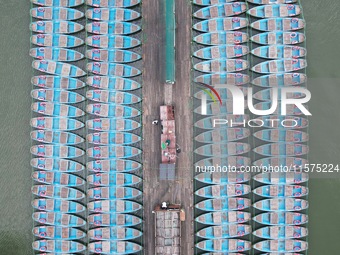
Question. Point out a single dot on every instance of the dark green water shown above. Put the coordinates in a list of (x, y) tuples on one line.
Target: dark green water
[(323, 35)]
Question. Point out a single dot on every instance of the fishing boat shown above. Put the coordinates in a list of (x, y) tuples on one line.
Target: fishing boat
[(113, 3), (112, 55), (272, 1), (112, 69), (114, 233), (215, 164), (112, 14), (116, 205), (57, 110), (113, 151), (278, 24), (280, 80), (112, 41), (281, 218), (116, 97), (221, 10), (279, 51), (58, 219), (226, 108), (282, 177), (222, 65), (113, 192), (56, 13), (107, 138), (280, 66), (222, 51), (56, 123), (221, 24), (282, 149), (57, 82), (57, 68), (112, 83), (58, 3), (281, 232), (56, 178), (57, 165), (222, 38), (278, 37), (57, 205), (56, 54), (277, 135), (57, 96), (223, 135), (58, 246), (275, 11), (224, 245), (58, 192), (223, 149), (223, 78), (112, 124), (281, 204), (267, 95), (112, 27), (114, 247), (209, 123), (224, 231), (210, 2), (56, 151), (281, 246), (113, 165), (112, 110), (56, 40), (113, 179), (224, 94), (292, 110), (218, 204), (281, 190), (291, 122), (56, 137), (58, 233), (223, 218), (221, 191), (56, 27), (113, 219)]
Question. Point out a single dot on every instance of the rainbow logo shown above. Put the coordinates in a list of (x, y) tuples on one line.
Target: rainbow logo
[(213, 90)]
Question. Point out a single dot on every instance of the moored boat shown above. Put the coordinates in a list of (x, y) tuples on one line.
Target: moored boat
[(57, 82), (59, 233), (112, 69), (278, 37), (58, 219), (223, 135), (222, 65), (209, 123), (282, 149), (224, 231), (112, 110), (224, 245), (106, 138), (218, 204), (56, 123), (114, 233), (116, 97), (56, 27), (112, 83), (57, 96), (113, 3), (58, 3), (113, 219), (112, 27), (58, 179), (112, 41), (281, 190), (220, 10), (223, 78), (56, 151), (58, 68), (221, 24), (112, 124), (113, 165), (279, 51), (220, 164), (56, 13), (222, 38), (115, 205), (226, 108), (112, 55), (272, 1), (277, 135), (113, 151), (223, 217), (222, 149), (57, 205), (113, 192), (114, 247), (113, 179), (58, 192), (57, 110), (221, 191), (56, 137), (224, 93), (278, 24), (57, 165), (281, 218), (210, 2), (275, 11), (58, 246), (281, 232), (222, 51), (281, 204), (282, 246), (287, 163), (56, 40), (281, 177), (284, 122), (280, 80), (291, 110), (112, 14), (267, 95), (56, 54), (280, 66)]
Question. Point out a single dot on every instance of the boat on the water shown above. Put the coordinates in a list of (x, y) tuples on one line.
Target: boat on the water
[(113, 165), (281, 190), (112, 14), (58, 219), (272, 1), (58, 233), (57, 96), (56, 178), (221, 10), (223, 78), (58, 68), (278, 37), (222, 38), (113, 151), (281, 218), (57, 192), (223, 135), (58, 3), (282, 149), (57, 110), (281, 232), (225, 203), (267, 95), (56, 13), (114, 247), (281, 246), (113, 179), (58, 246), (112, 83), (275, 11), (56, 40), (115, 205), (280, 66), (280, 80), (215, 164), (278, 24), (112, 124), (223, 218), (289, 163), (56, 27), (57, 165), (224, 94), (281, 204), (57, 205), (222, 191), (56, 137), (112, 3), (281, 177), (116, 97), (221, 24), (291, 110), (112, 55), (57, 82), (56, 54), (112, 27), (277, 135), (112, 110), (223, 149), (222, 51), (224, 231), (56, 123), (107, 138), (215, 109), (113, 219), (222, 65), (56, 151), (114, 233), (224, 245), (112, 69), (210, 2), (113, 192), (291, 122), (112, 41), (279, 51), (209, 123)]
